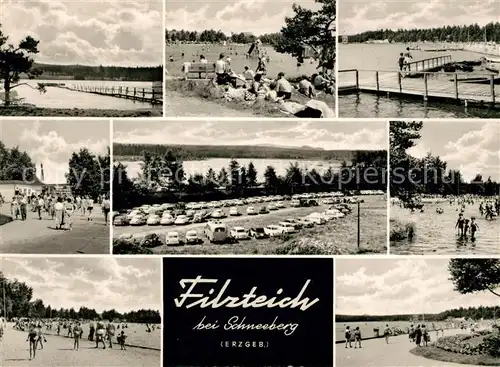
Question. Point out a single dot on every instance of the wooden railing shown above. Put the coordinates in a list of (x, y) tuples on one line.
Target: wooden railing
[(427, 64)]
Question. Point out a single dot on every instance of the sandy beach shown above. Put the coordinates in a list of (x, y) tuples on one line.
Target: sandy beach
[(58, 352)]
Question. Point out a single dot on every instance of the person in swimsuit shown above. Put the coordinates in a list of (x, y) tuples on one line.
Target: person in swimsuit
[(110, 332), (387, 332), (401, 62), (100, 334), (40, 338), (460, 224), (357, 337), (121, 340), (473, 228), (77, 334), (348, 337), (32, 339), (466, 227)]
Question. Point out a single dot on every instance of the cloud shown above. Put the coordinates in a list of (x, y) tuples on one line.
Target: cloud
[(127, 33), (409, 286), (230, 16), (363, 15), (54, 150), (100, 283), (339, 136)]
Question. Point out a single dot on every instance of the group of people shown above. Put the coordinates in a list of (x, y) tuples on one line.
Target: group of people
[(404, 60), (62, 209), (419, 335)]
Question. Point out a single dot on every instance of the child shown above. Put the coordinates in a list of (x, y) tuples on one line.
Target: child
[(348, 337), (460, 224), (401, 61), (357, 337), (40, 336), (32, 338), (121, 340), (466, 227), (473, 228)]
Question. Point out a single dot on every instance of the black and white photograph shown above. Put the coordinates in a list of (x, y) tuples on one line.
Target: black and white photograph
[(445, 193), (71, 311), (272, 188), (55, 187), (417, 313), (419, 59), (232, 58), (81, 58), (281, 315)]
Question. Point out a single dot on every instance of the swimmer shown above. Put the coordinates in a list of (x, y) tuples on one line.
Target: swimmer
[(460, 224), (473, 228)]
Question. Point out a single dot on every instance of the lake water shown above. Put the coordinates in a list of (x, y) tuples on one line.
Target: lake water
[(384, 57), (279, 62), (63, 98), (436, 233), (280, 165)]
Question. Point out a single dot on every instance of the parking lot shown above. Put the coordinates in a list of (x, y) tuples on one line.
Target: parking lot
[(337, 233)]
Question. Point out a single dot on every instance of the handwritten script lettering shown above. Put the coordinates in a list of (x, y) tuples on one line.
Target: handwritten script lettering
[(189, 298)]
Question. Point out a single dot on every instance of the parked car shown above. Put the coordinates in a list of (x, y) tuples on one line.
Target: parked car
[(295, 223), (181, 220), (239, 233), (251, 211), (333, 214), (295, 203), (138, 220), (287, 227), (263, 210), (280, 205), (153, 220), (272, 206), (218, 214), (258, 233), (273, 230), (216, 231), (306, 222), (134, 213), (192, 238), (317, 218), (167, 219), (172, 239), (121, 220), (234, 211)]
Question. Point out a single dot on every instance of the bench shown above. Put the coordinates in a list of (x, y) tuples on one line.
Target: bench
[(201, 68)]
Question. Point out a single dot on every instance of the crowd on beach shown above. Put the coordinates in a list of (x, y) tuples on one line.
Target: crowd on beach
[(100, 332), (251, 85), (61, 208)]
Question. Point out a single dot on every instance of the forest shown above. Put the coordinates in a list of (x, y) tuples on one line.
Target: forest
[(429, 175), (163, 179), (85, 72), (19, 303), (198, 152), (474, 313), (215, 37), (470, 33)]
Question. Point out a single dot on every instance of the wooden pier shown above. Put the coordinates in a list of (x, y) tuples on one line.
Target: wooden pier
[(423, 81), (153, 95)]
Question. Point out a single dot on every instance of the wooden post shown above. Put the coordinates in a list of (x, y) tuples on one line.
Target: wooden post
[(152, 95), (376, 79), (399, 82), (143, 93), (492, 88), (135, 92), (126, 91), (119, 90), (359, 226), (357, 80), (425, 86), (455, 79), (112, 90)]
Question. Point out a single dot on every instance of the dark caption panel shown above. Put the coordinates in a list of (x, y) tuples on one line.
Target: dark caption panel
[(248, 312)]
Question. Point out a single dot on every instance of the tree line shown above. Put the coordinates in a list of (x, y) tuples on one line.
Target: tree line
[(429, 175), (163, 177), (212, 36), (15, 165), (19, 303), (466, 33), (198, 152), (87, 72)]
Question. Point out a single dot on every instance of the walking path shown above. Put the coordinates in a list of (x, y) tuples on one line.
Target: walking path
[(376, 353), (39, 236), (58, 352)]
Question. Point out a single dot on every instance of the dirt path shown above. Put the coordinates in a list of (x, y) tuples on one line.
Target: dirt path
[(58, 352)]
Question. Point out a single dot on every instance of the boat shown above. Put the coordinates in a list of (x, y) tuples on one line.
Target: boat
[(478, 80)]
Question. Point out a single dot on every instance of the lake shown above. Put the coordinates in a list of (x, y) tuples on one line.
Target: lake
[(279, 62), (280, 165), (436, 233), (63, 98)]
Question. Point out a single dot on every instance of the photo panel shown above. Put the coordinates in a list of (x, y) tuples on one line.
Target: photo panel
[(417, 312), (271, 188), (80, 311), (418, 59), (444, 187), (55, 186), (260, 59), (81, 58), (281, 315)]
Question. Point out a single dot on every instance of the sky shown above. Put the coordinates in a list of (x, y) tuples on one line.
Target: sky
[(350, 135), (231, 16), (93, 32), (51, 143), (472, 147), (102, 283), (402, 286), (356, 16)]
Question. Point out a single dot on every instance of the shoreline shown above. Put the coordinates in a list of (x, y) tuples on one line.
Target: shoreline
[(24, 111)]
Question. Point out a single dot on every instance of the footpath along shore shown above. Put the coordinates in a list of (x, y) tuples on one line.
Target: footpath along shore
[(58, 352), (376, 353)]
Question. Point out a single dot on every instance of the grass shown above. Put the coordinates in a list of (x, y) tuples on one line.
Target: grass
[(401, 231), (78, 112), (434, 353), (338, 237), (4, 219)]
